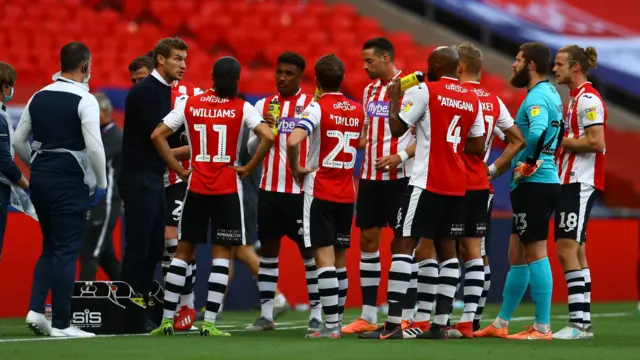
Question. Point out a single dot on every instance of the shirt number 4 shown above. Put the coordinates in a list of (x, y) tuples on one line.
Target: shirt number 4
[(453, 133), (222, 156), (343, 146)]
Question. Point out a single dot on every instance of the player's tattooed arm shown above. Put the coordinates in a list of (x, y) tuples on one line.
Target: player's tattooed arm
[(265, 134), (396, 125), (182, 152), (169, 125), (159, 139)]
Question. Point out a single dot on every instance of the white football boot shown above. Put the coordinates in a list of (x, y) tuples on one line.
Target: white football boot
[(38, 323), (570, 332), (72, 332)]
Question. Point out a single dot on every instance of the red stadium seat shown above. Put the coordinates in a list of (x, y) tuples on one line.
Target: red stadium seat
[(131, 9), (255, 32), (401, 40), (319, 11), (344, 11), (239, 9), (354, 84)]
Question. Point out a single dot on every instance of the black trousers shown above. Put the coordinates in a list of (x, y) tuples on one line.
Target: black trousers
[(98, 250), (144, 222), (62, 204), (5, 200)]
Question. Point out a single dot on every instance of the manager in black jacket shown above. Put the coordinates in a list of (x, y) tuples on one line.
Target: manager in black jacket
[(141, 180)]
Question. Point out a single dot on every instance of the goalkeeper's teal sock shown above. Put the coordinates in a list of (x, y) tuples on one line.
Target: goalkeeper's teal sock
[(514, 288), (541, 289)]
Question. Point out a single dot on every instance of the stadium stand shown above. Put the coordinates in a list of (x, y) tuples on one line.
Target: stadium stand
[(245, 29)]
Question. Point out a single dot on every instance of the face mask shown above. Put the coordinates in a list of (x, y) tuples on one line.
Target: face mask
[(86, 78), (8, 97)]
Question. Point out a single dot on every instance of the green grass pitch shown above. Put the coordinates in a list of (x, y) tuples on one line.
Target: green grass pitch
[(616, 326)]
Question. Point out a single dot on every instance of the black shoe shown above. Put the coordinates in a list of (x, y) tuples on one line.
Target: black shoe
[(436, 332), (476, 325), (383, 333), (375, 334)]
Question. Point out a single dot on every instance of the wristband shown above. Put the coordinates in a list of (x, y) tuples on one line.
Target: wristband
[(493, 170), (403, 156)]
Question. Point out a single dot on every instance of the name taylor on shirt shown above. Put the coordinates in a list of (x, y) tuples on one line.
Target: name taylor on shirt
[(346, 121)]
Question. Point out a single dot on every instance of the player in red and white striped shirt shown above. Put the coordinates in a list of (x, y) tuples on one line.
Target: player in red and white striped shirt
[(449, 124), (380, 188), (280, 198), (581, 171), (478, 197), (334, 127)]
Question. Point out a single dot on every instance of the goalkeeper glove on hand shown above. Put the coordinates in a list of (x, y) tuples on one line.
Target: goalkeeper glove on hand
[(523, 170)]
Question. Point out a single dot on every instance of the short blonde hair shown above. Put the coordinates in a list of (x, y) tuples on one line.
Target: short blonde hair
[(8, 75), (470, 56)]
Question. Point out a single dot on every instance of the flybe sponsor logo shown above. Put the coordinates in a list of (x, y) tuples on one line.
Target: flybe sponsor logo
[(458, 104), (212, 113), (287, 124), (378, 109)]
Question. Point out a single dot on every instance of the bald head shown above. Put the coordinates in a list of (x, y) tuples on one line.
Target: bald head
[(443, 61)]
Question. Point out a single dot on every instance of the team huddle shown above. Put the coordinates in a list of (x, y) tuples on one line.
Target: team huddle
[(424, 174)]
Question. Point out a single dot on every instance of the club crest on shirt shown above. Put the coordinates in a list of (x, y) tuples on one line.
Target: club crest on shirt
[(299, 109), (592, 113), (534, 111)]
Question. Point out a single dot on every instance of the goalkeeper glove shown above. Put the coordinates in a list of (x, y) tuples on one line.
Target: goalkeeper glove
[(523, 170)]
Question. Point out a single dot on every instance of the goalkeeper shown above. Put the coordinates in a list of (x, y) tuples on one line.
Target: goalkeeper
[(535, 188)]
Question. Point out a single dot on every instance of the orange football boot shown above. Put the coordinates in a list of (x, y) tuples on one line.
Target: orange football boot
[(530, 333), (461, 330), (359, 326), (492, 332)]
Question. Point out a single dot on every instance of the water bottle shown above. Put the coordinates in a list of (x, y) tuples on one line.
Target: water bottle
[(411, 80), (274, 110), (317, 94), (48, 312)]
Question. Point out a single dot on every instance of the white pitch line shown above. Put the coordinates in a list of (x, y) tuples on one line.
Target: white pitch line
[(46, 338)]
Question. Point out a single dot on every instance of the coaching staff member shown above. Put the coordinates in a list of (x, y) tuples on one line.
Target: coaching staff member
[(66, 163), (141, 182), (98, 248), (9, 172)]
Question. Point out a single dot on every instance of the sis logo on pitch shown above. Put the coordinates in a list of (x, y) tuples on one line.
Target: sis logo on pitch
[(287, 124), (378, 109)]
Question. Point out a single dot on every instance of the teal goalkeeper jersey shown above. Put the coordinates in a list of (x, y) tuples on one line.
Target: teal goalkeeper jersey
[(540, 118)]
